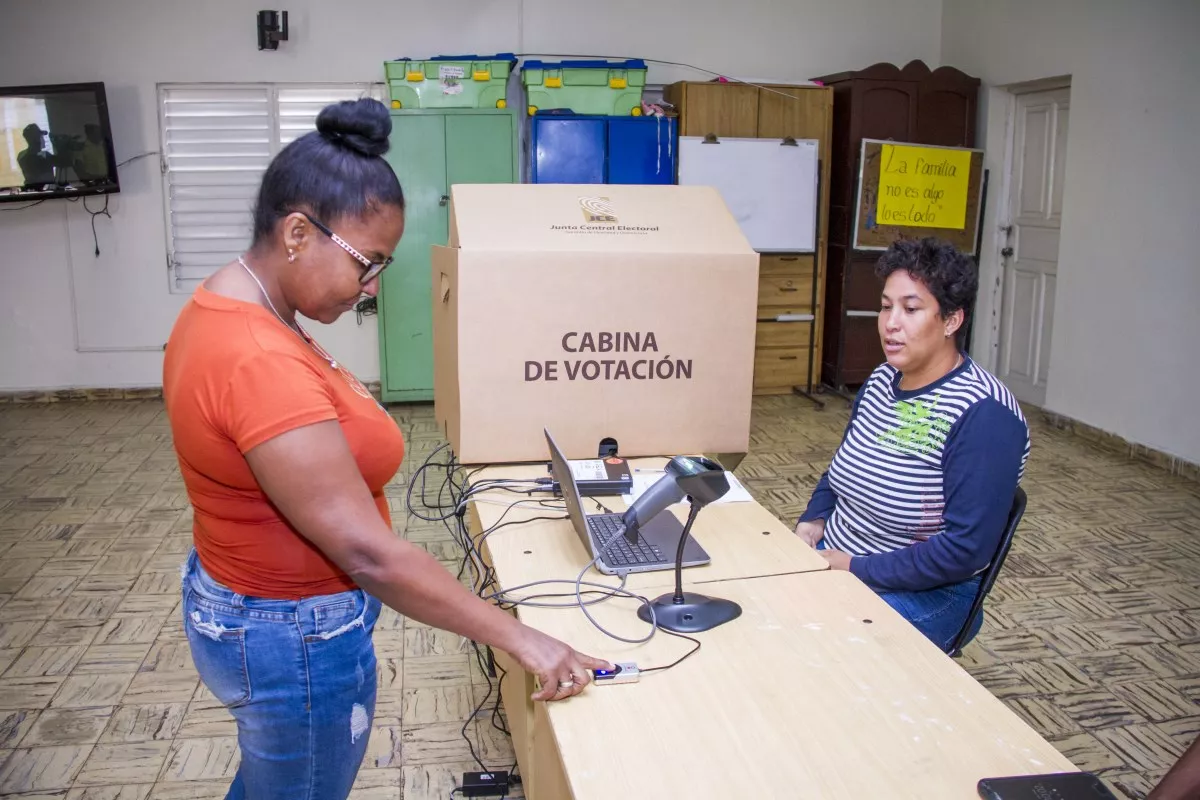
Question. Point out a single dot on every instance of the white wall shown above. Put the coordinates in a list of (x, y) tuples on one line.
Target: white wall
[(124, 310), (1125, 322)]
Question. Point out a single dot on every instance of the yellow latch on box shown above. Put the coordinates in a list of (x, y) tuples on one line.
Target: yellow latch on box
[(553, 83), (617, 83), (414, 76), (481, 75)]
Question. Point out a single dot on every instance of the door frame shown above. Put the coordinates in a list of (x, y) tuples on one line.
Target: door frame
[(998, 117)]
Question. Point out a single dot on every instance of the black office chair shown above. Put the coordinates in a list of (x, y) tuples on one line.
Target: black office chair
[(992, 571)]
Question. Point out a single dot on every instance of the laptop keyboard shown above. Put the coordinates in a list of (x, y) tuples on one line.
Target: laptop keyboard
[(621, 553)]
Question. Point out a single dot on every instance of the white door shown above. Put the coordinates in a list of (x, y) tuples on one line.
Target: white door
[(1039, 162)]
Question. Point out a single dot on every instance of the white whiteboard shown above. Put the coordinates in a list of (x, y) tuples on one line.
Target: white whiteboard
[(769, 187)]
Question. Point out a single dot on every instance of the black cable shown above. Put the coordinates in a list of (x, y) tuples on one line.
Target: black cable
[(457, 488), (412, 482), (367, 307), (131, 159), (500, 525), (496, 708), (513, 778), (475, 547), (474, 714), (679, 660), (444, 513), (95, 214), (462, 538), (447, 512), (603, 507), (31, 205)]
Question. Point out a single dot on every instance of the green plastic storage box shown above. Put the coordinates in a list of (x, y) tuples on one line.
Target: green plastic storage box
[(609, 88), (450, 81)]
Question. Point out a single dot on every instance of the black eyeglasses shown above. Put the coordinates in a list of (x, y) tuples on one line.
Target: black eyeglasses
[(373, 268)]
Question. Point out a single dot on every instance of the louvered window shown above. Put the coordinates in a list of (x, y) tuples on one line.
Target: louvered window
[(217, 140)]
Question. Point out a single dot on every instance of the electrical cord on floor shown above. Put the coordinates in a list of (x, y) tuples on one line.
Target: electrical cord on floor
[(497, 720), (475, 714), (449, 506)]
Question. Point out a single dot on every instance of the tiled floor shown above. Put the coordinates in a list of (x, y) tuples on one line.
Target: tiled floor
[(1093, 634)]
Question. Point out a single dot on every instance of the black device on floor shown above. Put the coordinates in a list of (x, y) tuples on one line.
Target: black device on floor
[(1055, 786), (485, 784)]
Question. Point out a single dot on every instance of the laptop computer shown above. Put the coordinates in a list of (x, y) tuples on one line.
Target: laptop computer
[(657, 542)]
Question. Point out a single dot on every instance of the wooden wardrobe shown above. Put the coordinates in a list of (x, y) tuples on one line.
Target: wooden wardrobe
[(913, 104)]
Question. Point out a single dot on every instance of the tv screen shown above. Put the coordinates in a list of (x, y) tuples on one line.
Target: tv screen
[(57, 142)]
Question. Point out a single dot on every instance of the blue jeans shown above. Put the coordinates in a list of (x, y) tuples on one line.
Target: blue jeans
[(938, 613), (298, 677)]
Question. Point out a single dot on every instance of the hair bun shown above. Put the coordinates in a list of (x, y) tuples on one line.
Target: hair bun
[(360, 125)]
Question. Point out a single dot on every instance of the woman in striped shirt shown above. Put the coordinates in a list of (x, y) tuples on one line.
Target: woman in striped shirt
[(916, 498)]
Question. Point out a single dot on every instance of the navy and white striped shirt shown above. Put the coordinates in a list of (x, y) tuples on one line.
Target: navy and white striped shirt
[(920, 489)]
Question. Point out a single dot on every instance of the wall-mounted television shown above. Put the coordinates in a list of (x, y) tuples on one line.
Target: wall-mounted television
[(56, 142)]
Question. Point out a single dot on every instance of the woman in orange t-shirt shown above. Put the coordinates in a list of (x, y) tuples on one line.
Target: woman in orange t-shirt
[(285, 456)]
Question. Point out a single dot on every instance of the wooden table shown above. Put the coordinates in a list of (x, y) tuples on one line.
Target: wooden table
[(819, 689)]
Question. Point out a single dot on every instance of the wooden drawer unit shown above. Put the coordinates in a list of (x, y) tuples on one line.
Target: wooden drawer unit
[(780, 356), (777, 370), (771, 335), (784, 285)]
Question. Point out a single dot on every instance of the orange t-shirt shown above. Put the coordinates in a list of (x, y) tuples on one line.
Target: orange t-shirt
[(235, 376)]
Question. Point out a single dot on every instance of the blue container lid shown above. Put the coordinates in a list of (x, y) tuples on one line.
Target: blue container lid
[(566, 113), (636, 63), (509, 57)]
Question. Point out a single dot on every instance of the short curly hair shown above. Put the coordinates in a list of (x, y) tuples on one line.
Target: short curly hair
[(950, 275)]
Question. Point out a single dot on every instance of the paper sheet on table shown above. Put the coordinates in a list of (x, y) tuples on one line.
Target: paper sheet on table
[(644, 480)]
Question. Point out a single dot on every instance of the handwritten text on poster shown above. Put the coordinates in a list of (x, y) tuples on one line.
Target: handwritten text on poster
[(923, 187)]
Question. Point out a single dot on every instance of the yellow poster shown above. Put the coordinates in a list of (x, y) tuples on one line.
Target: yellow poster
[(923, 187)]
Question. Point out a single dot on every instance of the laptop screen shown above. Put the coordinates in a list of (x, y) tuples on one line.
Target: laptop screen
[(570, 492)]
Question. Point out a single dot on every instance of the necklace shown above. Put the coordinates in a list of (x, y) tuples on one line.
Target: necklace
[(297, 329)]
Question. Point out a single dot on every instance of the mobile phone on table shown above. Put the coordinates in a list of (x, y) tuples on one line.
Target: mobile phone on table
[(1055, 786)]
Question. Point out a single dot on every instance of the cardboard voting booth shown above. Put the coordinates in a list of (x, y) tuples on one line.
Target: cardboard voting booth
[(623, 312)]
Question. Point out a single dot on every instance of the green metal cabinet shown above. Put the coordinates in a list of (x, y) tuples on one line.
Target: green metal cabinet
[(431, 150)]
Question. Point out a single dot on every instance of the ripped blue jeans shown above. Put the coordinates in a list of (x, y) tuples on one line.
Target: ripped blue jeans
[(298, 677)]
